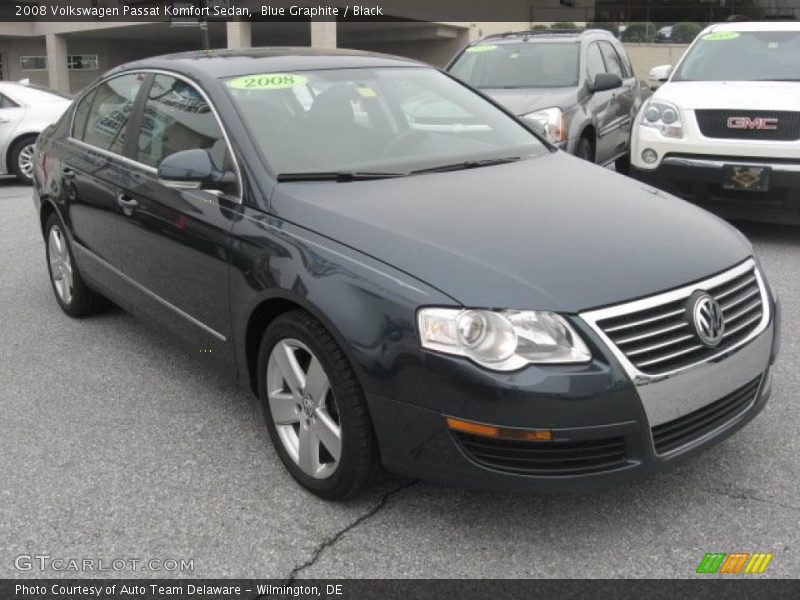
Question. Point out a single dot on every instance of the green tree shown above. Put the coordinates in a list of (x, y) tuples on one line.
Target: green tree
[(608, 26), (564, 25), (640, 32), (684, 33)]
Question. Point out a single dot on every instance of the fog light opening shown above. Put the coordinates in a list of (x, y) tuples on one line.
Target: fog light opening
[(649, 156)]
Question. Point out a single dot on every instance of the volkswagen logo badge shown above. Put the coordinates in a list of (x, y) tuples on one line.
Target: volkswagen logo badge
[(708, 320)]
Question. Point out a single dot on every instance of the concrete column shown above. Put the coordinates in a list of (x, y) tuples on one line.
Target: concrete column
[(240, 34), (323, 34), (57, 72)]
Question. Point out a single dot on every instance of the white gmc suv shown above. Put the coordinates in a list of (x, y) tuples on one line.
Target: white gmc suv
[(724, 129)]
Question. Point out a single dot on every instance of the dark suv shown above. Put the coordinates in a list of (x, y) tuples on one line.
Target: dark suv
[(576, 87)]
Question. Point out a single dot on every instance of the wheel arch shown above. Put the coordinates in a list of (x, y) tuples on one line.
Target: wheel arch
[(265, 311), (17, 137)]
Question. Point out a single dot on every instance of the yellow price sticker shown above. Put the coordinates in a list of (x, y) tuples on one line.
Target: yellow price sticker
[(367, 92), (268, 81), (721, 35), (482, 48)]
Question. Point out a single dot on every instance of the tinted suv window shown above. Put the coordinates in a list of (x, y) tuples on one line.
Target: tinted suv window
[(101, 117), (613, 62), (594, 62), (177, 117)]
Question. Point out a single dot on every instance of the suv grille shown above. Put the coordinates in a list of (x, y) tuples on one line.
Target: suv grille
[(662, 338), (674, 434), (545, 458), (714, 124)]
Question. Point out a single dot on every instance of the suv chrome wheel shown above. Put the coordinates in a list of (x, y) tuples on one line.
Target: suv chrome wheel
[(303, 408), (60, 264)]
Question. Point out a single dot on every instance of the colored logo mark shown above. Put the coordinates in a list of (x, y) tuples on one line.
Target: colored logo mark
[(735, 562)]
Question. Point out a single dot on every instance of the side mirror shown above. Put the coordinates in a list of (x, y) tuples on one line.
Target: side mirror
[(192, 170), (606, 81), (659, 75)]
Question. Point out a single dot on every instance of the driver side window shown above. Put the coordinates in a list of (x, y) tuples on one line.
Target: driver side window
[(594, 62), (177, 117)]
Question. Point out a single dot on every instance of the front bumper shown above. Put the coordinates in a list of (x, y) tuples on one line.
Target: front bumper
[(699, 179), (598, 418)]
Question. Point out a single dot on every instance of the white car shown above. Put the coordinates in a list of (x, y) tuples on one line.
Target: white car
[(25, 111), (723, 130)]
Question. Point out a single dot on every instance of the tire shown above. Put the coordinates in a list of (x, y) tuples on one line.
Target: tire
[(73, 296), (584, 149), (300, 415), (21, 159), (623, 164)]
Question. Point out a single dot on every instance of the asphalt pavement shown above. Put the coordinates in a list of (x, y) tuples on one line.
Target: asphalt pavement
[(115, 444)]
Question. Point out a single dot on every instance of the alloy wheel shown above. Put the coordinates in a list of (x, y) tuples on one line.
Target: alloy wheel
[(60, 264), (304, 409), (25, 160)]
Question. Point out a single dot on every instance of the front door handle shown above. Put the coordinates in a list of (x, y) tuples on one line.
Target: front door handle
[(68, 173), (127, 203)]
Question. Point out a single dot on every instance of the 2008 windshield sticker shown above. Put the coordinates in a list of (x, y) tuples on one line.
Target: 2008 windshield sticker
[(268, 81), (481, 48), (721, 35)]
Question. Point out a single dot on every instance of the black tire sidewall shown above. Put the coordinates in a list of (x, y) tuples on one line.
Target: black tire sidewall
[(16, 149), (347, 394), (584, 149)]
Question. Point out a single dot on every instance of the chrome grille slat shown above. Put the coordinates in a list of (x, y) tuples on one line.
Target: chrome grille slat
[(658, 336), (661, 359), (644, 336), (670, 342), (646, 321), (739, 299), (726, 293)]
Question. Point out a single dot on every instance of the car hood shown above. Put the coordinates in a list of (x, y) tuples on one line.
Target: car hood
[(525, 100), (735, 95), (550, 233)]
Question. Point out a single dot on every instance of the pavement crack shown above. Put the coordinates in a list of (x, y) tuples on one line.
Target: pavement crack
[(332, 540), (742, 495)]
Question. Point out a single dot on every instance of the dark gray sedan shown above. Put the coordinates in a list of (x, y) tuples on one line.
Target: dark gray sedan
[(454, 298)]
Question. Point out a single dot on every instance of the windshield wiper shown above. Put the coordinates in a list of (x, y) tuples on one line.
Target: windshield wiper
[(340, 176), (467, 164)]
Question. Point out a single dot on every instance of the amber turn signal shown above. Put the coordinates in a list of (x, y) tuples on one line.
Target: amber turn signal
[(530, 435)]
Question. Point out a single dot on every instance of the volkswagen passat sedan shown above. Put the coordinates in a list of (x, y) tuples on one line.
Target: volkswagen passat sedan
[(461, 303)]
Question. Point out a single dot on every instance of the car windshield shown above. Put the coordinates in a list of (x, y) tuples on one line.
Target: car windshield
[(524, 65), (743, 56), (389, 120)]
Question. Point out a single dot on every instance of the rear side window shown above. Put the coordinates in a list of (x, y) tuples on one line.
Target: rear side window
[(613, 62), (177, 117), (6, 102), (102, 115)]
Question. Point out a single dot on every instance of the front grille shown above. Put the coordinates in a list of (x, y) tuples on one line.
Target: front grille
[(662, 338), (674, 434), (714, 124), (544, 458)]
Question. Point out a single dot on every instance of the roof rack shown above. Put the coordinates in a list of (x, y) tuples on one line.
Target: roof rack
[(544, 32)]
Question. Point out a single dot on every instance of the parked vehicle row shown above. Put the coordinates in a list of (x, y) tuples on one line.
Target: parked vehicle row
[(405, 273)]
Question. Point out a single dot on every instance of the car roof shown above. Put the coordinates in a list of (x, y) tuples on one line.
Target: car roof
[(546, 35), (230, 63), (21, 92), (756, 26)]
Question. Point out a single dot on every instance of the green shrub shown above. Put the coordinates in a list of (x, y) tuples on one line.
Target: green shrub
[(640, 32), (685, 32)]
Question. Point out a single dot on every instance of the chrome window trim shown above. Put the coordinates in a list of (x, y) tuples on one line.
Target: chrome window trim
[(592, 318), (136, 163), (715, 163), (150, 293)]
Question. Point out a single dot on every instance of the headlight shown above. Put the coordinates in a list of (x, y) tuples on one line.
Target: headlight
[(502, 340), (550, 122), (663, 116)]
